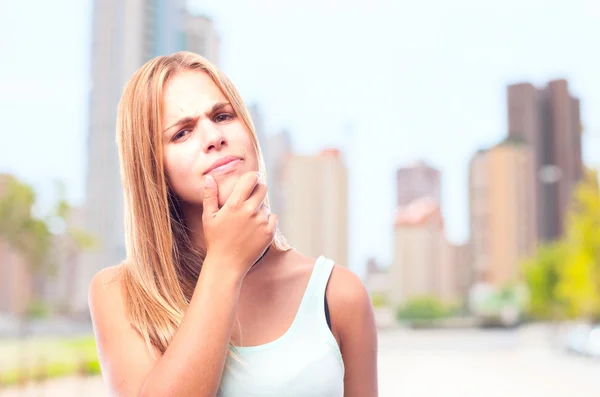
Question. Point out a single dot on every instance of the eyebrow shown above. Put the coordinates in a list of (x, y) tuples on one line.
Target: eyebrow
[(190, 119)]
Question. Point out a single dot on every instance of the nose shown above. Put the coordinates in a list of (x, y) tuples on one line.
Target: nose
[(212, 137)]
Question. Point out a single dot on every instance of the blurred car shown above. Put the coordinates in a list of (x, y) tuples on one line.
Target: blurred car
[(576, 338)]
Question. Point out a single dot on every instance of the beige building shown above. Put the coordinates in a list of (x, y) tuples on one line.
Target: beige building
[(277, 151), (315, 217), (455, 272), (502, 211), (419, 245), (16, 281)]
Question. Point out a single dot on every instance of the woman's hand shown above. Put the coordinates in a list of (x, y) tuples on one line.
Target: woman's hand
[(239, 233)]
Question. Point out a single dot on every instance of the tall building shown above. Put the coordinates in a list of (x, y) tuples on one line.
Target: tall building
[(202, 37), (315, 218), (502, 211), (259, 124), (125, 34), (417, 181), (419, 243), (277, 151), (548, 119), (455, 272), (169, 37)]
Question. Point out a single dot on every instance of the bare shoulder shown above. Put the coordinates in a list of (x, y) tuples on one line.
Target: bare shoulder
[(346, 290), (105, 287), (349, 303)]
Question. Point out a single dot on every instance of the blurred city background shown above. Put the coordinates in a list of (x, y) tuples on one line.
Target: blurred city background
[(445, 151)]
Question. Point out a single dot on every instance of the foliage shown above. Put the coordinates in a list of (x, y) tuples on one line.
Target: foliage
[(422, 308), (542, 274), (32, 237), (37, 309), (47, 358), (25, 233), (379, 300), (579, 281), (564, 277)]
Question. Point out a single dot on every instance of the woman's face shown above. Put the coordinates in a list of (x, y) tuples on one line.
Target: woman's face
[(203, 135)]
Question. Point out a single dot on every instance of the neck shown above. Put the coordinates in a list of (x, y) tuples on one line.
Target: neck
[(193, 222)]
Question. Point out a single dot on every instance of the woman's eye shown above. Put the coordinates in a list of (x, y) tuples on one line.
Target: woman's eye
[(180, 135), (223, 117)]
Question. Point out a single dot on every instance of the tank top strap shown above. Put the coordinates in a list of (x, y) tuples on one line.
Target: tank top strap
[(313, 302)]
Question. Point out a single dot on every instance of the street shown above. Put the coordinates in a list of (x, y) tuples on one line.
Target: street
[(490, 363), (461, 363)]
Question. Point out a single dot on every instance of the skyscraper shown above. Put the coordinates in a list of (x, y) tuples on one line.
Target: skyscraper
[(419, 242), (417, 181), (202, 37), (125, 34), (548, 120), (277, 152), (259, 123), (502, 211), (315, 218)]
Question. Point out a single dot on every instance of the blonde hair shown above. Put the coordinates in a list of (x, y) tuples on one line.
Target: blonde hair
[(162, 266)]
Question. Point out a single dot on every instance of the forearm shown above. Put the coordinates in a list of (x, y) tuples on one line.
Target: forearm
[(194, 361)]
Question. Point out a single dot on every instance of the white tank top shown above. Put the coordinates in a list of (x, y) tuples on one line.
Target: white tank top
[(304, 362)]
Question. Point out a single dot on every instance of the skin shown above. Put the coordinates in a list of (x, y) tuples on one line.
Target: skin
[(265, 297)]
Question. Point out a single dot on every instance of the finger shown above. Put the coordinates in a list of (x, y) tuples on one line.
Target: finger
[(211, 196), (258, 196), (272, 224), (243, 189)]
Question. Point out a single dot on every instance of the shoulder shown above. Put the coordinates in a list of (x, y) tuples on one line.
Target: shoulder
[(346, 289), (349, 301), (105, 289), (108, 278)]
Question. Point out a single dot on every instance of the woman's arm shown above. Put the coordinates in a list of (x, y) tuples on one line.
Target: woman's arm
[(353, 325), (194, 361)]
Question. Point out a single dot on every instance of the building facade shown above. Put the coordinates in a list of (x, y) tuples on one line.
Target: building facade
[(315, 217), (502, 212), (548, 120)]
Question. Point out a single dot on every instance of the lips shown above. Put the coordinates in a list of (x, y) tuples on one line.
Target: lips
[(223, 164)]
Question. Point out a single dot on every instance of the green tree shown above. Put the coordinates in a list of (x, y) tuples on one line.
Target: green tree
[(579, 280), (31, 236), (542, 274), (19, 228), (563, 277)]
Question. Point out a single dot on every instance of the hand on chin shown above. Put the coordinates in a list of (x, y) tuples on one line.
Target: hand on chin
[(226, 184)]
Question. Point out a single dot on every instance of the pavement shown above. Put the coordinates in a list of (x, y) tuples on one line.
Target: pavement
[(449, 363)]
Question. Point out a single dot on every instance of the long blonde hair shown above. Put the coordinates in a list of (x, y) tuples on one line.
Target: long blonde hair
[(162, 266)]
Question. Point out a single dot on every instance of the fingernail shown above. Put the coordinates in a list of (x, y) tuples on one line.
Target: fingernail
[(208, 181), (260, 178)]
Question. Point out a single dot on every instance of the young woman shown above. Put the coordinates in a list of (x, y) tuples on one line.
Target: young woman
[(211, 300)]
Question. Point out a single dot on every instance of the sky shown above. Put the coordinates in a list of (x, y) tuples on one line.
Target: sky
[(390, 82)]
